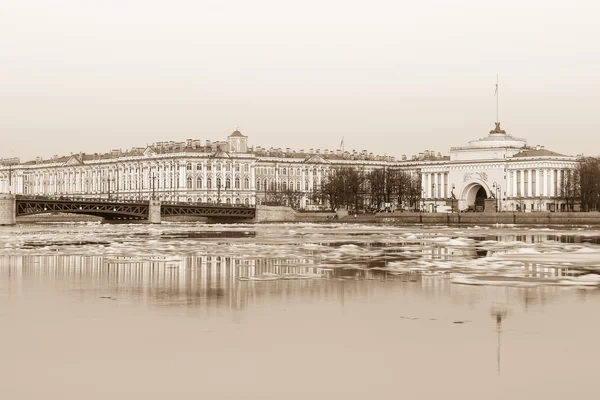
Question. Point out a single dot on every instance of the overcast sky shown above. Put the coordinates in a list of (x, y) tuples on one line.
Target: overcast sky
[(392, 77)]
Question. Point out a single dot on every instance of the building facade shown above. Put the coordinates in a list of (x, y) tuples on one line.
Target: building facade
[(498, 166)]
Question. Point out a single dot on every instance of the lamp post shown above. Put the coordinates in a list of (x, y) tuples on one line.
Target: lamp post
[(153, 177), (498, 190), (433, 197), (423, 198), (108, 181), (218, 191), (453, 197)]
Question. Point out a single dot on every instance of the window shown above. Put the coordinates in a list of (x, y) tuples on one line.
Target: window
[(237, 183), (189, 183), (298, 186), (246, 183), (209, 167), (209, 184), (198, 167), (227, 183), (237, 201), (258, 184), (198, 183), (189, 166), (218, 182), (246, 201), (284, 186)]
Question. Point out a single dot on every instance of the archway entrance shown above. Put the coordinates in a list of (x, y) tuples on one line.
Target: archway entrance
[(474, 196), (480, 199)]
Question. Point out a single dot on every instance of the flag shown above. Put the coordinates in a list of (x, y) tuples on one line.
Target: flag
[(496, 91), (342, 143)]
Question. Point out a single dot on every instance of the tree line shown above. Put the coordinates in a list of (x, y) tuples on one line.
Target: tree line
[(357, 189)]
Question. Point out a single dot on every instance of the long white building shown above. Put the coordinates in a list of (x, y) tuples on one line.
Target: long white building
[(496, 166)]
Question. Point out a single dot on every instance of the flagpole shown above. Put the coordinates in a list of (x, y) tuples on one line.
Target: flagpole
[(497, 99)]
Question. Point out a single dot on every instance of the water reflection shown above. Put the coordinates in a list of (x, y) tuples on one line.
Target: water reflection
[(223, 281)]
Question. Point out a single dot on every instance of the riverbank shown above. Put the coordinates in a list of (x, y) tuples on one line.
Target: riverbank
[(515, 218), (286, 214)]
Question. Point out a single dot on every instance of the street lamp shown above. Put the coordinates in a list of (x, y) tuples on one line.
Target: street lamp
[(498, 192), (453, 197), (153, 177), (423, 198)]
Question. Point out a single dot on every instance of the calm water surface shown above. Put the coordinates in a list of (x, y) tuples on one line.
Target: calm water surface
[(298, 311)]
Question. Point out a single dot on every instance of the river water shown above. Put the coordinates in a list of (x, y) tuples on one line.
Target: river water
[(297, 311)]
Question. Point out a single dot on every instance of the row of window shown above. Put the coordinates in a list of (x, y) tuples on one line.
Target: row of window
[(218, 167), (209, 183), (287, 171)]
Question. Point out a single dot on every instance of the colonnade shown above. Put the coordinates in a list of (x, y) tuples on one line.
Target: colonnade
[(535, 182), (435, 185)]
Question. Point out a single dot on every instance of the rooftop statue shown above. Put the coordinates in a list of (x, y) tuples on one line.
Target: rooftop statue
[(497, 130)]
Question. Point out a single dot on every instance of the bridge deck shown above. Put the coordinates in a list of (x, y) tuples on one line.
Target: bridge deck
[(126, 210)]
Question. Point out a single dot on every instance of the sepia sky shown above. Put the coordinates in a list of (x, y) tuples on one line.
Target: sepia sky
[(391, 77)]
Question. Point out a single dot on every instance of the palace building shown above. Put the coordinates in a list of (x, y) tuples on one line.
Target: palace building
[(499, 166)]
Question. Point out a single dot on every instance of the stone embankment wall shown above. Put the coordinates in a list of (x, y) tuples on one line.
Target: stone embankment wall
[(274, 214), (7, 209), (520, 218), (315, 216)]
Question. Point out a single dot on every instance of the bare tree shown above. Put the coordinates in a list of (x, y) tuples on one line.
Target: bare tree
[(589, 183), (570, 189), (342, 187)]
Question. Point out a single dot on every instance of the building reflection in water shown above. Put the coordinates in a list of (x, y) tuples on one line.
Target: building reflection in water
[(184, 281), (217, 280)]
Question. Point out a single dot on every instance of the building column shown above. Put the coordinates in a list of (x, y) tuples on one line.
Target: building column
[(428, 188), (204, 192), (529, 183), (514, 183), (545, 182), (552, 191), (442, 190), (252, 188), (522, 182), (537, 182)]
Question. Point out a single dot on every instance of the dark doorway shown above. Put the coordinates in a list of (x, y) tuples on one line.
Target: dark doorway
[(480, 199)]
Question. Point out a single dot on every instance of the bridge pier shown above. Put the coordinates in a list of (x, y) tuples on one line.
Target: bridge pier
[(154, 212), (8, 209)]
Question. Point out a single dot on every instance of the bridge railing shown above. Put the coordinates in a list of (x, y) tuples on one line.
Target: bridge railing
[(131, 201)]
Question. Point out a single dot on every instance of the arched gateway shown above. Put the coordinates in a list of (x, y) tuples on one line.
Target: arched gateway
[(473, 196)]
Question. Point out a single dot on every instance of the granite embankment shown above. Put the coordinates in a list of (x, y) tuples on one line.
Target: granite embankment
[(266, 214), (517, 218)]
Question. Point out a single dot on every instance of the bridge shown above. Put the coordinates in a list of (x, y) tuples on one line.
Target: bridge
[(15, 206)]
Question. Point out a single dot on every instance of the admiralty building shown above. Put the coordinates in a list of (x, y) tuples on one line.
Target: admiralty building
[(498, 165)]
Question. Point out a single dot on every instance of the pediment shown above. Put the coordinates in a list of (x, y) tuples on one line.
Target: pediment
[(221, 154), (73, 160), (149, 152), (316, 159)]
